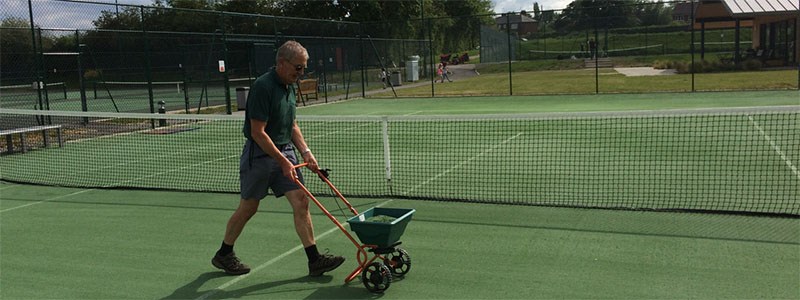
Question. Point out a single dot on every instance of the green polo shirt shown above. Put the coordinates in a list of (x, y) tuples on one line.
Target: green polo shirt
[(274, 102)]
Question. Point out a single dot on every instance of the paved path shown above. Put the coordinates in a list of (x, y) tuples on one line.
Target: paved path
[(645, 71)]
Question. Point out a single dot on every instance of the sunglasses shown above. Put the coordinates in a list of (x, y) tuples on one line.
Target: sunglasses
[(298, 68)]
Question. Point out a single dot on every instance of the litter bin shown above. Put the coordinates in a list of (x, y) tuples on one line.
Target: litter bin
[(412, 68), (241, 97), (396, 79)]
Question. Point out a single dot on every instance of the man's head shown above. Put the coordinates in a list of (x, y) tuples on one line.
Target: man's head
[(291, 61)]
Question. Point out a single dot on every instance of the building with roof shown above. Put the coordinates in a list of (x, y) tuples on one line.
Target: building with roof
[(521, 24), (682, 11), (775, 27)]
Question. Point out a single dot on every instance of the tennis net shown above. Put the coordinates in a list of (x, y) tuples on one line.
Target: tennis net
[(740, 160), (26, 96)]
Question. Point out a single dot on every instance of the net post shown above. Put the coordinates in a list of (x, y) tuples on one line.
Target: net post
[(386, 153)]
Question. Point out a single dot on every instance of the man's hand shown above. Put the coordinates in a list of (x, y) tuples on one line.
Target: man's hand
[(288, 169), (309, 158)]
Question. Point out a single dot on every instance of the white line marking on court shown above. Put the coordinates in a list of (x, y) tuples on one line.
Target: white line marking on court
[(8, 187), (327, 103), (158, 157), (413, 113), (272, 261), (776, 148), (47, 200), (461, 164)]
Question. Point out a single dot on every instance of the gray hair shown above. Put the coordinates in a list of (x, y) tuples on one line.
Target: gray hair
[(289, 50)]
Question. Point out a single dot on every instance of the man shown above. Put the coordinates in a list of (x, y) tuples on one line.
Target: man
[(268, 158)]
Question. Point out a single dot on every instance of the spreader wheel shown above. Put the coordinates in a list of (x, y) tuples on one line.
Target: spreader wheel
[(376, 277), (398, 262)]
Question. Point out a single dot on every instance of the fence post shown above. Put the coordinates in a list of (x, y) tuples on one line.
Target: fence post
[(81, 81), (148, 68), (36, 58), (596, 54), (508, 37), (433, 58), (691, 45), (225, 77), (361, 53)]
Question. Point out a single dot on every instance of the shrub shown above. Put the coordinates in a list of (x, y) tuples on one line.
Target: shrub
[(681, 67), (92, 74), (661, 64), (752, 65)]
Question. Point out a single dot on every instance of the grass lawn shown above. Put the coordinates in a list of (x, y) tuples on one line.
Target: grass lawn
[(582, 81)]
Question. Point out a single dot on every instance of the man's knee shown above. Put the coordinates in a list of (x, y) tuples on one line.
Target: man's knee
[(298, 200), (247, 208)]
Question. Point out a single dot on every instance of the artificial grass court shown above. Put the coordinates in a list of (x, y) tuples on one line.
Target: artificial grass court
[(70, 243)]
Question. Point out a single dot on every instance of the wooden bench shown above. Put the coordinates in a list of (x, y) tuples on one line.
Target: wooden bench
[(307, 90), (9, 133)]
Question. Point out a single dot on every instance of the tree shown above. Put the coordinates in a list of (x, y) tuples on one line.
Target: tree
[(17, 55), (129, 18), (594, 14), (654, 13)]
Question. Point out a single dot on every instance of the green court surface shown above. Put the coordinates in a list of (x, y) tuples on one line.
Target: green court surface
[(67, 243), (639, 151)]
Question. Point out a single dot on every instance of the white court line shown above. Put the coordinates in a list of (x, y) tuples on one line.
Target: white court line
[(271, 261), (461, 164), (413, 113), (776, 148), (157, 157), (8, 187), (46, 200)]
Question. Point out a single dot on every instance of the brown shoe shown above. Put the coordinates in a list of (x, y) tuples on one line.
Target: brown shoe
[(324, 263), (230, 264)]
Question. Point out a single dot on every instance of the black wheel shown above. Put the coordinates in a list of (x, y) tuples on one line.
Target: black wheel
[(398, 262), (376, 277)]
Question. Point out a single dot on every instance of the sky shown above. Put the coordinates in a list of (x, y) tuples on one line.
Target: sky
[(500, 6), (68, 16)]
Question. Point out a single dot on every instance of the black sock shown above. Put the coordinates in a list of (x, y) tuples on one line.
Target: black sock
[(312, 253), (225, 249)]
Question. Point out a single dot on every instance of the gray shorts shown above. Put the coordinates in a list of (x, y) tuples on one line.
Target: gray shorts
[(259, 171)]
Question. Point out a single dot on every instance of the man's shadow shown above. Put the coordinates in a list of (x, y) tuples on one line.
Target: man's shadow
[(191, 290)]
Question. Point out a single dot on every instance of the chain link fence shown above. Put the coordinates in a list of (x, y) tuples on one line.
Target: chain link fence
[(85, 56)]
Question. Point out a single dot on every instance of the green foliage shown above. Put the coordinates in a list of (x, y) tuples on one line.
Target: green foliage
[(92, 74), (752, 65), (587, 14), (16, 48), (684, 66), (127, 18)]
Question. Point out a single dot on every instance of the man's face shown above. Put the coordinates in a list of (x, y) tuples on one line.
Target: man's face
[(290, 71)]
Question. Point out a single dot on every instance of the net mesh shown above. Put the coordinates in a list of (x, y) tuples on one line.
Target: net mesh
[(729, 160), (26, 96)]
